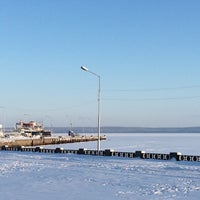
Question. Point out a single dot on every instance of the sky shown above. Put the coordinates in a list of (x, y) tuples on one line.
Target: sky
[(145, 51)]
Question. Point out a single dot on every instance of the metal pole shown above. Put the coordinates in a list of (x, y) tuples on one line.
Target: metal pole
[(99, 127), (99, 97)]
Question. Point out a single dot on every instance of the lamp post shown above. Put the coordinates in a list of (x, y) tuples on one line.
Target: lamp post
[(99, 78)]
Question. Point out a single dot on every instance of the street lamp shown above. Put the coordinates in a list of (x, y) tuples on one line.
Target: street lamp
[(87, 70)]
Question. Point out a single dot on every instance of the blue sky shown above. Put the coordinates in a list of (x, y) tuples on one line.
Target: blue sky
[(146, 52)]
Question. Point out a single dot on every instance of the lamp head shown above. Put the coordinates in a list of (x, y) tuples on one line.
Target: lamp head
[(84, 68)]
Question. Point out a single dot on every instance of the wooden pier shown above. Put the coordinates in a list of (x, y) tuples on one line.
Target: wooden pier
[(14, 142)]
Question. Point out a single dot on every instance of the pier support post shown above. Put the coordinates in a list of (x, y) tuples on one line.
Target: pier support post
[(109, 152), (174, 155), (82, 151), (139, 153)]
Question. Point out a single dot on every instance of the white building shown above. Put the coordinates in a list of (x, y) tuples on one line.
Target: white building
[(1, 131)]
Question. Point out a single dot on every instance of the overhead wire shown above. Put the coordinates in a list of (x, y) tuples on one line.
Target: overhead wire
[(152, 90)]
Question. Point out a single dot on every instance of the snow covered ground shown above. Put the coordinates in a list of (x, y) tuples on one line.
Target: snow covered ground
[(27, 175)]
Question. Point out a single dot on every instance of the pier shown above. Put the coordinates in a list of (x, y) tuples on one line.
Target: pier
[(15, 142), (177, 156)]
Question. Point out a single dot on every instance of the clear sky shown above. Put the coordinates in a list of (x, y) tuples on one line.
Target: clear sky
[(147, 53)]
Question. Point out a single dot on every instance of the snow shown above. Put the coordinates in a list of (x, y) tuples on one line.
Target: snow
[(28, 175)]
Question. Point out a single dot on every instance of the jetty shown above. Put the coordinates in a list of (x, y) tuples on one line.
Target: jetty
[(16, 142), (176, 156)]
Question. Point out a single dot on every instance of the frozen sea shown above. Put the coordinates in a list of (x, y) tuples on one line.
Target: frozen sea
[(27, 175)]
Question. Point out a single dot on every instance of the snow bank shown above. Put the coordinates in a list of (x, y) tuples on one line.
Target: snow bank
[(52, 176)]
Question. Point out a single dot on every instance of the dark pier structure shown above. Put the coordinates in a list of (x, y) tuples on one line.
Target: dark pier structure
[(108, 152)]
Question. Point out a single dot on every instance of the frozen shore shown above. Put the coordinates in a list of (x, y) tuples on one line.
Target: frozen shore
[(27, 175)]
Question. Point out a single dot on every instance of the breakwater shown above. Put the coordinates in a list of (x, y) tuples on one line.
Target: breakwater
[(108, 152), (16, 142)]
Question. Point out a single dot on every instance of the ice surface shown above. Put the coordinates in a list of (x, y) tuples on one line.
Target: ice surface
[(27, 175), (149, 142)]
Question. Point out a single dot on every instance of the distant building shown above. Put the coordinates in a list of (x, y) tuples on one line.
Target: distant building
[(1, 131)]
